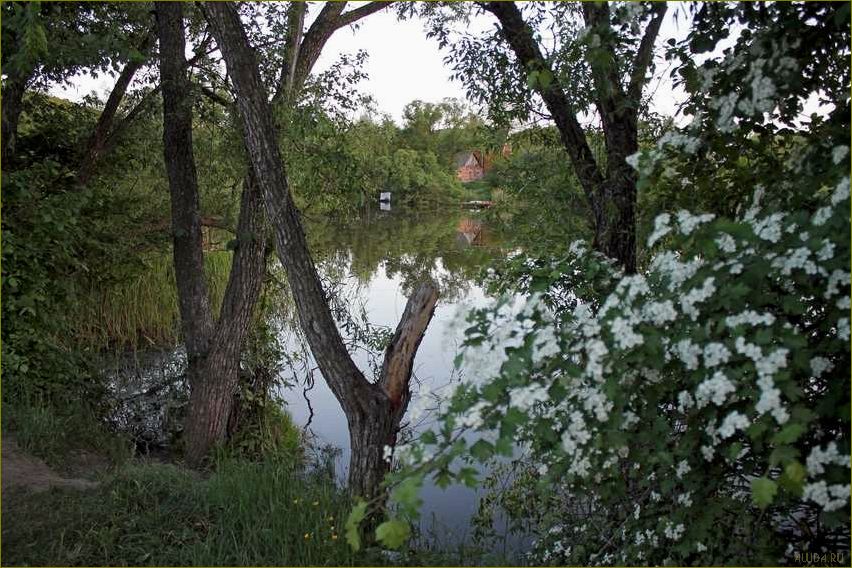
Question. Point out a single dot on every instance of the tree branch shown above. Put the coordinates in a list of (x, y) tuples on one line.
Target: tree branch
[(645, 53), (520, 38), (400, 352), (97, 141), (361, 12)]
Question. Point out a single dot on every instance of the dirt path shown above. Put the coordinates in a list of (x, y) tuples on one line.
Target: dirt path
[(22, 470)]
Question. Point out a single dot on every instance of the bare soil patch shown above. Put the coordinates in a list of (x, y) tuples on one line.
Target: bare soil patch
[(23, 471)]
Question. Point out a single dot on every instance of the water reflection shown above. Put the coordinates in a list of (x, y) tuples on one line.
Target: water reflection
[(372, 265)]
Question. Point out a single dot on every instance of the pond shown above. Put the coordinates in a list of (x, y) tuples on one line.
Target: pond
[(369, 265), (374, 264)]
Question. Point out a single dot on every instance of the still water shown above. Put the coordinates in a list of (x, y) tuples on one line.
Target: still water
[(373, 265), (368, 266)]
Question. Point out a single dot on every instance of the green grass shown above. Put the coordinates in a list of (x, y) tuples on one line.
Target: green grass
[(51, 435), (269, 513), (143, 310)]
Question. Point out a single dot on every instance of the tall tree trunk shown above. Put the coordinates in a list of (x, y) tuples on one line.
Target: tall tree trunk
[(611, 196), (213, 348), (373, 410), (13, 98)]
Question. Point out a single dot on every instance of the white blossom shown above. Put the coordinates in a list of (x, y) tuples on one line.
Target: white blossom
[(819, 458), (688, 353), (661, 227), (682, 469), (716, 353), (726, 243), (733, 422), (715, 390), (830, 497), (524, 398), (819, 365), (688, 222)]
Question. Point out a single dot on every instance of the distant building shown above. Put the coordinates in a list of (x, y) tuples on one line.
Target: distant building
[(471, 166)]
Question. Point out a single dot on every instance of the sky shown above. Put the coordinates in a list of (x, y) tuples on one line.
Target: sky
[(404, 64)]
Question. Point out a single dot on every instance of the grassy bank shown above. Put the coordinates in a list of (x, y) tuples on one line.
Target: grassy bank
[(244, 513)]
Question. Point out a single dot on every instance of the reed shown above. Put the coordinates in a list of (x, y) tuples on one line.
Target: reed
[(142, 311)]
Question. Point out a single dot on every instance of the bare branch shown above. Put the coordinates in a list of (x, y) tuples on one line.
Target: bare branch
[(645, 53), (361, 12)]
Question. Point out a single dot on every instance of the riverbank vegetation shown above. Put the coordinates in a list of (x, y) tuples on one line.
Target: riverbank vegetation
[(657, 372)]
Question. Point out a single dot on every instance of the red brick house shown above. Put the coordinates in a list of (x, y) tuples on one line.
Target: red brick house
[(469, 166)]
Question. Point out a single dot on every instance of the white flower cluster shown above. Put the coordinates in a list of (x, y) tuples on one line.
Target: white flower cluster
[(682, 469), (769, 228), (726, 243), (661, 228), (750, 317), (830, 497), (679, 141), (624, 334), (667, 265), (762, 91), (716, 353), (819, 365), (733, 422), (674, 532), (715, 389), (659, 313), (524, 398), (688, 353), (688, 301), (819, 458), (576, 434), (472, 418), (689, 222)]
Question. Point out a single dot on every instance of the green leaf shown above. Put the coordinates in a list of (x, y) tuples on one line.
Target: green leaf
[(789, 434), (393, 533), (794, 475), (429, 437), (763, 491), (467, 475), (359, 511), (482, 450), (407, 494)]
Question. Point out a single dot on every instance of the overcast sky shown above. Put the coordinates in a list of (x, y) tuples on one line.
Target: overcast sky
[(404, 65)]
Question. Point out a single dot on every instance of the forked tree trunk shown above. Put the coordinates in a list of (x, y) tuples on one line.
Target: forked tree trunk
[(373, 410), (213, 347)]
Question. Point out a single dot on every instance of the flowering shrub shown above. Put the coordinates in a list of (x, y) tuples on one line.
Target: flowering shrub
[(698, 411), (704, 404)]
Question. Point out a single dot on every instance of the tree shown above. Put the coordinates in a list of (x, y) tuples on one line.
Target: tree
[(613, 58), (696, 412), (97, 37), (213, 346), (373, 410)]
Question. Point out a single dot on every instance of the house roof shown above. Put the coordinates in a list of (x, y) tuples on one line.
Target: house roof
[(462, 158)]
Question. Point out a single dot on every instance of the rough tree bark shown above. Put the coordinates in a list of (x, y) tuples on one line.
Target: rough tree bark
[(611, 194), (213, 347), (373, 410)]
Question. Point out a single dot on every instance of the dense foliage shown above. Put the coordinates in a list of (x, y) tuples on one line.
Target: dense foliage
[(696, 412)]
